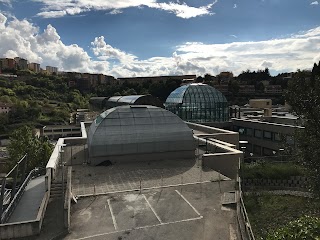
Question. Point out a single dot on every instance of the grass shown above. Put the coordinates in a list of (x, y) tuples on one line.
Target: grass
[(271, 170), (269, 212)]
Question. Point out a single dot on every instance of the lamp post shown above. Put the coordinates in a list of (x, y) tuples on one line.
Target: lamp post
[(281, 153)]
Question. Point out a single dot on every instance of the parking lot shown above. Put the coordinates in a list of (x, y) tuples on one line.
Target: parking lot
[(184, 212)]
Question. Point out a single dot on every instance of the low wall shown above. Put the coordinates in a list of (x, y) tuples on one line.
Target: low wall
[(225, 163), (294, 183), (217, 133)]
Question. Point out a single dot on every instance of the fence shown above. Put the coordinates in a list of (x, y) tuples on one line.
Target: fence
[(27, 228), (243, 219)]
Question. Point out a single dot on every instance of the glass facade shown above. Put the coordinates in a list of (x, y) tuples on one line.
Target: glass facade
[(197, 102)]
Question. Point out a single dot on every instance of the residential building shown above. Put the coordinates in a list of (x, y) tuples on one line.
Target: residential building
[(260, 103), (35, 67), (225, 77), (22, 64), (8, 64), (51, 70), (273, 89), (247, 89), (5, 107), (222, 88), (155, 79)]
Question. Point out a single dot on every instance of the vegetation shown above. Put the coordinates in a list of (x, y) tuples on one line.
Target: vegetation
[(269, 214), (303, 228), (304, 97), (263, 170), (23, 141)]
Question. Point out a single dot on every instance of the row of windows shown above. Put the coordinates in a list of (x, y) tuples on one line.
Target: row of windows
[(267, 135), (258, 150)]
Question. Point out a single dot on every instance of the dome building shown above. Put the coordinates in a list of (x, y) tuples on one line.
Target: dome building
[(198, 102), (139, 133)]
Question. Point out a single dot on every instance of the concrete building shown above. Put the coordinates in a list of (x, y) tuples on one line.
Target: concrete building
[(260, 103), (273, 89), (222, 88), (155, 79), (22, 64), (8, 64), (225, 77), (247, 89), (35, 67), (51, 70), (54, 132), (5, 107)]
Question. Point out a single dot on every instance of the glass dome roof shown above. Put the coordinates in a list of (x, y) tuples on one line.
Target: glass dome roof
[(197, 102)]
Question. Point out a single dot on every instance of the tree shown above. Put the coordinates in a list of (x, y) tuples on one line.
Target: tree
[(23, 141), (304, 97)]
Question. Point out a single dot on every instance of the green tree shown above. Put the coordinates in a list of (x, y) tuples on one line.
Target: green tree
[(23, 141), (303, 95)]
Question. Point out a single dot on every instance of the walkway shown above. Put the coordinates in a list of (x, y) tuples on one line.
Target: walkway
[(27, 208)]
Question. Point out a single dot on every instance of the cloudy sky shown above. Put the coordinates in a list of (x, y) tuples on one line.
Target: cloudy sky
[(158, 37)]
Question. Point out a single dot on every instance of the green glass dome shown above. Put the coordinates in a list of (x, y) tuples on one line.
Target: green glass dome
[(198, 102)]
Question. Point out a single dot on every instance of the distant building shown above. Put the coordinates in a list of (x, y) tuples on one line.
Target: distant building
[(225, 76), (35, 67), (22, 64), (155, 79), (247, 89), (51, 70), (222, 88), (8, 63), (273, 89), (5, 107), (260, 103)]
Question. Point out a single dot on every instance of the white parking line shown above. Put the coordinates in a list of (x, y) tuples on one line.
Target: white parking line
[(196, 211), (138, 228), (154, 212), (112, 215)]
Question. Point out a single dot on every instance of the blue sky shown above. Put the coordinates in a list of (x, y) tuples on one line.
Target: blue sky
[(158, 37)]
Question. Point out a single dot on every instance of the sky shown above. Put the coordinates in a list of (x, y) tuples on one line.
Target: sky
[(128, 38)]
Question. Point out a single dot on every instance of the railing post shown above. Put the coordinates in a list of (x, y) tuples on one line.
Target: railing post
[(3, 185), (13, 191), (24, 168)]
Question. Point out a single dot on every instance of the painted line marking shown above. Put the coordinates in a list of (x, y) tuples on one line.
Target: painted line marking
[(139, 228), (196, 211), (112, 215), (154, 212)]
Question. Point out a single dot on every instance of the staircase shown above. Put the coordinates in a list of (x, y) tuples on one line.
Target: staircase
[(56, 190)]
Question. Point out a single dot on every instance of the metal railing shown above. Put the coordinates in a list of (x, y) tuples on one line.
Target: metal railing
[(14, 202), (243, 219)]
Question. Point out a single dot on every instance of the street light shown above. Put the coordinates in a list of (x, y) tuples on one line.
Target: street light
[(281, 153)]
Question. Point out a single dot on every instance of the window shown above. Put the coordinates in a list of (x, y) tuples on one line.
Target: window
[(277, 137), (267, 135), (257, 133), (256, 149), (268, 152), (249, 132), (290, 140)]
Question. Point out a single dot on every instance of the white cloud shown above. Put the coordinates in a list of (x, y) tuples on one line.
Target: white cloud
[(24, 39), (60, 8), (314, 3), (234, 36), (235, 6)]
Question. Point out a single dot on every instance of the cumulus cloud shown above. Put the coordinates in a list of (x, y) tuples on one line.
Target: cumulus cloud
[(24, 39), (21, 38), (235, 5), (314, 3), (60, 8)]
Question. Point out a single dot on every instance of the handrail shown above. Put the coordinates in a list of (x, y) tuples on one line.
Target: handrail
[(244, 216)]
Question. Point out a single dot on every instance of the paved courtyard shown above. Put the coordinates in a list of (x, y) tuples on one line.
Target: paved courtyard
[(93, 180), (189, 212)]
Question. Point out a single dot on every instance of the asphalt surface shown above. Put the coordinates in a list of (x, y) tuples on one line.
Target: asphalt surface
[(192, 212)]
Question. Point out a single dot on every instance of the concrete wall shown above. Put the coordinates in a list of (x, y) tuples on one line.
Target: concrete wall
[(225, 163), (217, 133), (67, 200)]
